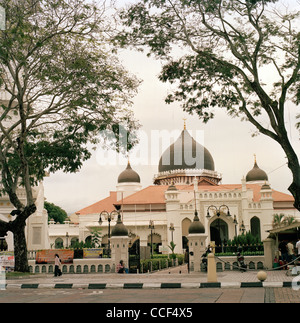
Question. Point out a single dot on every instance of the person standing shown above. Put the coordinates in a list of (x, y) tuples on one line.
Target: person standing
[(290, 248), (57, 270), (284, 251), (298, 247), (121, 267)]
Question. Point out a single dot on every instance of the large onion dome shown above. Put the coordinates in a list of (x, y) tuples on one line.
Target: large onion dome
[(186, 153)]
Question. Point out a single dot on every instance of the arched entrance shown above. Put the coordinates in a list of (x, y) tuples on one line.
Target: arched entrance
[(219, 233), (134, 256)]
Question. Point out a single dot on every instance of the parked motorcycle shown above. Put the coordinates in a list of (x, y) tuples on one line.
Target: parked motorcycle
[(204, 259), (204, 262), (241, 262)]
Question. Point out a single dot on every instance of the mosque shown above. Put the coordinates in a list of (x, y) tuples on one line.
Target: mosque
[(163, 212)]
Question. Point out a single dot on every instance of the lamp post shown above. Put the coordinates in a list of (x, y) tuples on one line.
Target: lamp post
[(242, 227), (67, 239), (235, 224), (218, 213), (172, 229), (151, 227), (108, 216)]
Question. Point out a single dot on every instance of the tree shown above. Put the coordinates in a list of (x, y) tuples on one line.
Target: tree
[(227, 50), (282, 220), (55, 212), (172, 248), (96, 237), (63, 86)]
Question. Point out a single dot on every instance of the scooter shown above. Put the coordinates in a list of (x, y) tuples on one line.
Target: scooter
[(204, 262), (204, 259), (241, 262)]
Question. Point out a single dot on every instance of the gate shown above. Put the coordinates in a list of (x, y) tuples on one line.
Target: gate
[(134, 257)]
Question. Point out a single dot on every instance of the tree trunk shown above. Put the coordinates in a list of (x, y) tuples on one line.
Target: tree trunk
[(294, 188), (20, 248), (294, 166)]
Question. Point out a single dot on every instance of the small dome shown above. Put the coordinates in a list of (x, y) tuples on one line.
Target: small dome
[(196, 226), (186, 153), (129, 175), (172, 187), (266, 187), (256, 174), (119, 229)]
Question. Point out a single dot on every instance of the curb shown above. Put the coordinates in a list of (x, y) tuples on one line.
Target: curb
[(150, 285)]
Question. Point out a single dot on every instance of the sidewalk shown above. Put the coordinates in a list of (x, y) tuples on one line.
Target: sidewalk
[(170, 278)]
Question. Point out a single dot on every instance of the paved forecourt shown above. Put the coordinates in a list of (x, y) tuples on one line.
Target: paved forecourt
[(167, 279)]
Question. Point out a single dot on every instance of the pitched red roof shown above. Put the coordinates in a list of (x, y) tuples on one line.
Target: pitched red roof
[(106, 204), (155, 194)]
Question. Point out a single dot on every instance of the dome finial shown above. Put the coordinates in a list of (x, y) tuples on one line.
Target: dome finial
[(184, 123), (254, 158)]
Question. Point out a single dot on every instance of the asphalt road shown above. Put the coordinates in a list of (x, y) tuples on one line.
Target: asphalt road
[(134, 296)]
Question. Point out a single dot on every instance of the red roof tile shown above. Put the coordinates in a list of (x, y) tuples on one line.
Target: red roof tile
[(106, 204), (155, 194)]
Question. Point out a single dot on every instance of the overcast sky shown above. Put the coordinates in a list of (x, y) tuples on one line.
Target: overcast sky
[(228, 140)]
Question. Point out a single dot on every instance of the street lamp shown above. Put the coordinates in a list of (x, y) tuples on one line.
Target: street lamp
[(67, 239), (108, 216), (151, 227), (242, 228), (235, 224), (218, 213), (172, 229)]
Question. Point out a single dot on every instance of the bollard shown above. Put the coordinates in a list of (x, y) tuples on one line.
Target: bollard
[(211, 269), (261, 275)]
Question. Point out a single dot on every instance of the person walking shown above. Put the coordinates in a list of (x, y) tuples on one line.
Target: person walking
[(57, 262)]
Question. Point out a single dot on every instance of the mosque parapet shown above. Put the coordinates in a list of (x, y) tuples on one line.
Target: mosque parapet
[(186, 176)]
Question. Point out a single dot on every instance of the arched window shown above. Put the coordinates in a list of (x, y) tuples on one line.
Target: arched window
[(59, 243), (73, 242), (255, 227)]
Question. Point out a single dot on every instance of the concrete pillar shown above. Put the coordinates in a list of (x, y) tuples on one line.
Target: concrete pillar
[(211, 269), (196, 250), (119, 250), (269, 252)]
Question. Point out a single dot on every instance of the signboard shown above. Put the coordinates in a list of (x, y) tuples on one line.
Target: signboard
[(48, 256), (7, 260), (92, 252)]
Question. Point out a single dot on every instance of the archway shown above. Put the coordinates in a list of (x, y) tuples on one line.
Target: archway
[(59, 243), (255, 227), (219, 233)]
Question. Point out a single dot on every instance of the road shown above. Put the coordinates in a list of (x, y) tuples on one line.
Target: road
[(182, 296)]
